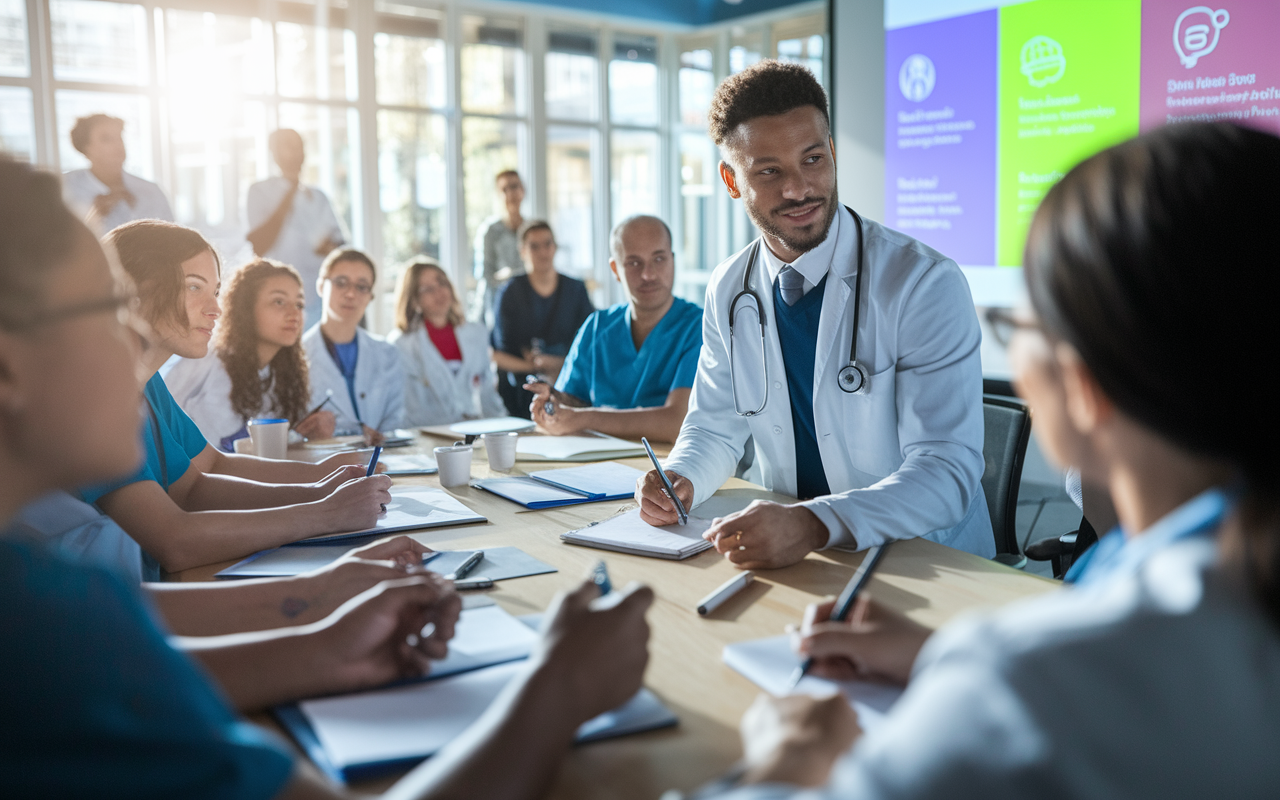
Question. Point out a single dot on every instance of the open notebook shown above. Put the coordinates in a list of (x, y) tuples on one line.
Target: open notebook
[(411, 508), (769, 663), (627, 533), (362, 735), (589, 446), (551, 488)]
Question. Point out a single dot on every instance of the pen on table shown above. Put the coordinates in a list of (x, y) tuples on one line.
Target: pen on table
[(373, 461), (463, 569), (666, 482), (328, 395), (726, 590), (844, 603), (548, 407)]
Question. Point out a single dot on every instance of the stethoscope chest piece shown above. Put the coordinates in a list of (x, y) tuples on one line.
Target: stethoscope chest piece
[(853, 378)]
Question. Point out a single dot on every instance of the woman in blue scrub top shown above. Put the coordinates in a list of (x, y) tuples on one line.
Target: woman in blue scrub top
[(95, 700), (1158, 673), (190, 504)]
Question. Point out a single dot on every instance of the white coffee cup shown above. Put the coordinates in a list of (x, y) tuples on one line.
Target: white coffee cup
[(243, 446), (270, 437), (455, 464), (501, 450)]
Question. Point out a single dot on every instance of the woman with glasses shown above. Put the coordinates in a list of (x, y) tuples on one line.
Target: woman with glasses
[(1156, 672), (448, 374), (353, 372), (256, 368), (191, 504)]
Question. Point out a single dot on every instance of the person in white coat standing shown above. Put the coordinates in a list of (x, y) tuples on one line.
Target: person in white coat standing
[(448, 371), (853, 362), (356, 374)]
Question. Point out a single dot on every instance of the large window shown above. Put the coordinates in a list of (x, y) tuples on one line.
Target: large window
[(407, 108)]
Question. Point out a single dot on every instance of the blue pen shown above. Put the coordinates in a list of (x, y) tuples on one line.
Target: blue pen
[(681, 514), (373, 462), (600, 577)]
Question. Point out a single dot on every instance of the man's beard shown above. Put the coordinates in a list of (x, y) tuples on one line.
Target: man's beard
[(795, 244)]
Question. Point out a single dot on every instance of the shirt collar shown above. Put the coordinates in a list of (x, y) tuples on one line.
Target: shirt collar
[(813, 264), (1116, 554)]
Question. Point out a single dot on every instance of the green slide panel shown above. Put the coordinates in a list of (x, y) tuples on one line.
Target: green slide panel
[(1068, 88)]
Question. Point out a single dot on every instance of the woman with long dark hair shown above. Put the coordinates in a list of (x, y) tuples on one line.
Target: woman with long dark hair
[(1152, 276)]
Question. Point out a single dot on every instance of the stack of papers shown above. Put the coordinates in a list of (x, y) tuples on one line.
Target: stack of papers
[(361, 735), (410, 465), (550, 488), (595, 447), (627, 533), (411, 507), (769, 663)]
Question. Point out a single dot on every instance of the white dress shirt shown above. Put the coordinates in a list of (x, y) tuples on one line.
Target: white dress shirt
[(310, 221), (1159, 679), (80, 187)]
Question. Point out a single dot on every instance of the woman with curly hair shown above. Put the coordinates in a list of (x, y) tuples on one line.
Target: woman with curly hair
[(257, 367), (191, 504)]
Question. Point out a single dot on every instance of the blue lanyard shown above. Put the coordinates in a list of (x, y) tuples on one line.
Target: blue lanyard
[(1116, 555)]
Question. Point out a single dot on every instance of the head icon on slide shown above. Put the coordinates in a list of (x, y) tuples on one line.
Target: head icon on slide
[(1043, 61), (917, 77), (1195, 34)]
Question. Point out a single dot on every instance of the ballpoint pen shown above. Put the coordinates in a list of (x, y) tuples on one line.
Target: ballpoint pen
[(463, 569), (844, 603), (666, 482)]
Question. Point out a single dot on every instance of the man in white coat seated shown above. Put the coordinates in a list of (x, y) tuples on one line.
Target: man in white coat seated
[(355, 374), (889, 447)]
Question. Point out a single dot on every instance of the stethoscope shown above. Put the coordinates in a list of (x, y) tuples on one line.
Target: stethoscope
[(851, 379)]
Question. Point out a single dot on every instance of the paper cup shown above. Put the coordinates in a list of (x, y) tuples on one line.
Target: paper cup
[(454, 464), (270, 437), (501, 450)]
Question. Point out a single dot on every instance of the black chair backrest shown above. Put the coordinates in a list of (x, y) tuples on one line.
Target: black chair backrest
[(1008, 429)]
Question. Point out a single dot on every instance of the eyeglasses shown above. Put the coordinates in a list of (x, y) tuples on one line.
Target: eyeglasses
[(1004, 324), (124, 306), (343, 284)]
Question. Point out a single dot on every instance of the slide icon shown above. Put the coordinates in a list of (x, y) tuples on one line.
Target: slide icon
[(917, 77), (1042, 61), (1200, 36)]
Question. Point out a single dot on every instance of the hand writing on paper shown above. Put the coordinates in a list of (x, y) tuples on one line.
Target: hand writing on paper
[(355, 505), (873, 643), (656, 507), (767, 535)]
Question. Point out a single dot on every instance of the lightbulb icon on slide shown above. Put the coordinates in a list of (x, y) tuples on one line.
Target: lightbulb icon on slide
[(1199, 37), (916, 77), (1043, 61)]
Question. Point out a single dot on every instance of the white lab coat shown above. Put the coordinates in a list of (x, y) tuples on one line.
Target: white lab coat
[(903, 458), (433, 393), (202, 387), (379, 383), (80, 187)]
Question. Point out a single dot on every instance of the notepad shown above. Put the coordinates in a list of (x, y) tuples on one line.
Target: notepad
[(485, 636), (769, 663), (479, 427), (594, 447), (627, 533), (499, 563), (552, 488), (409, 465), (411, 507)]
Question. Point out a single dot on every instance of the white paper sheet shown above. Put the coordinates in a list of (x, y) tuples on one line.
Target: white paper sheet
[(672, 541), (769, 664), (575, 448), (487, 635), (412, 507), (410, 465)]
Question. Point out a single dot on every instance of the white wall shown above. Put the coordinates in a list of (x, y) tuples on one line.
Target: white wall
[(857, 99)]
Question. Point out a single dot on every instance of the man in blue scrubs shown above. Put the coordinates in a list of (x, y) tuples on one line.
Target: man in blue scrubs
[(632, 365)]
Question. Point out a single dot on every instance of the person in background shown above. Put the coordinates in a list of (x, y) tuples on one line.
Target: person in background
[(291, 222), (191, 504), (448, 372), (497, 249), (256, 368), (96, 694), (359, 373), (104, 195), (1156, 673), (632, 365), (538, 316)]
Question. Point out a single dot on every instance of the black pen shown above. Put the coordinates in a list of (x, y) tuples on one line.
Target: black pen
[(844, 603), (681, 514), (463, 569), (328, 395), (549, 408)]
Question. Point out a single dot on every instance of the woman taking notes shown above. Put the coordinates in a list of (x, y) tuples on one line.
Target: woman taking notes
[(189, 504), (257, 368), (1157, 674), (357, 372), (448, 374)]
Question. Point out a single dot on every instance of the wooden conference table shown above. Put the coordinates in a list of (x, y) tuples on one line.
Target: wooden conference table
[(928, 582)]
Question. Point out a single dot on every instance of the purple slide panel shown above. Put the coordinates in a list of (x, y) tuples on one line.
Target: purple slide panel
[(940, 135)]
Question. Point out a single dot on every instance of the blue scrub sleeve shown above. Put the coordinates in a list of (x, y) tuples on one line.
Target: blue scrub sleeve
[(690, 349), (576, 375), (97, 704), (175, 421)]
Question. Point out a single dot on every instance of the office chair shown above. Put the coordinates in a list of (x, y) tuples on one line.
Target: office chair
[(1004, 446)]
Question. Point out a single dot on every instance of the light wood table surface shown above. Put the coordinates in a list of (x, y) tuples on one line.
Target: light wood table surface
[(928, 582)]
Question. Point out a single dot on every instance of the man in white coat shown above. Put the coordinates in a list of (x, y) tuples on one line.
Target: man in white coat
[(899, 458)]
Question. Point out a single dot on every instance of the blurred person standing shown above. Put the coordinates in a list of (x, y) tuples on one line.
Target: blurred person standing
[(104, 195), (497, 248), (292, 222)]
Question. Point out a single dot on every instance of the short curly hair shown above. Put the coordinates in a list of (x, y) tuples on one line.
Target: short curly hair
[(762, 90)]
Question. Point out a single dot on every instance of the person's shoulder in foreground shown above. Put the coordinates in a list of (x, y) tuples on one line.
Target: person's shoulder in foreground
[(96, 703)]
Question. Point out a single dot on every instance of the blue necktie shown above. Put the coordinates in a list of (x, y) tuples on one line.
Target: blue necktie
[(790, 285)]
